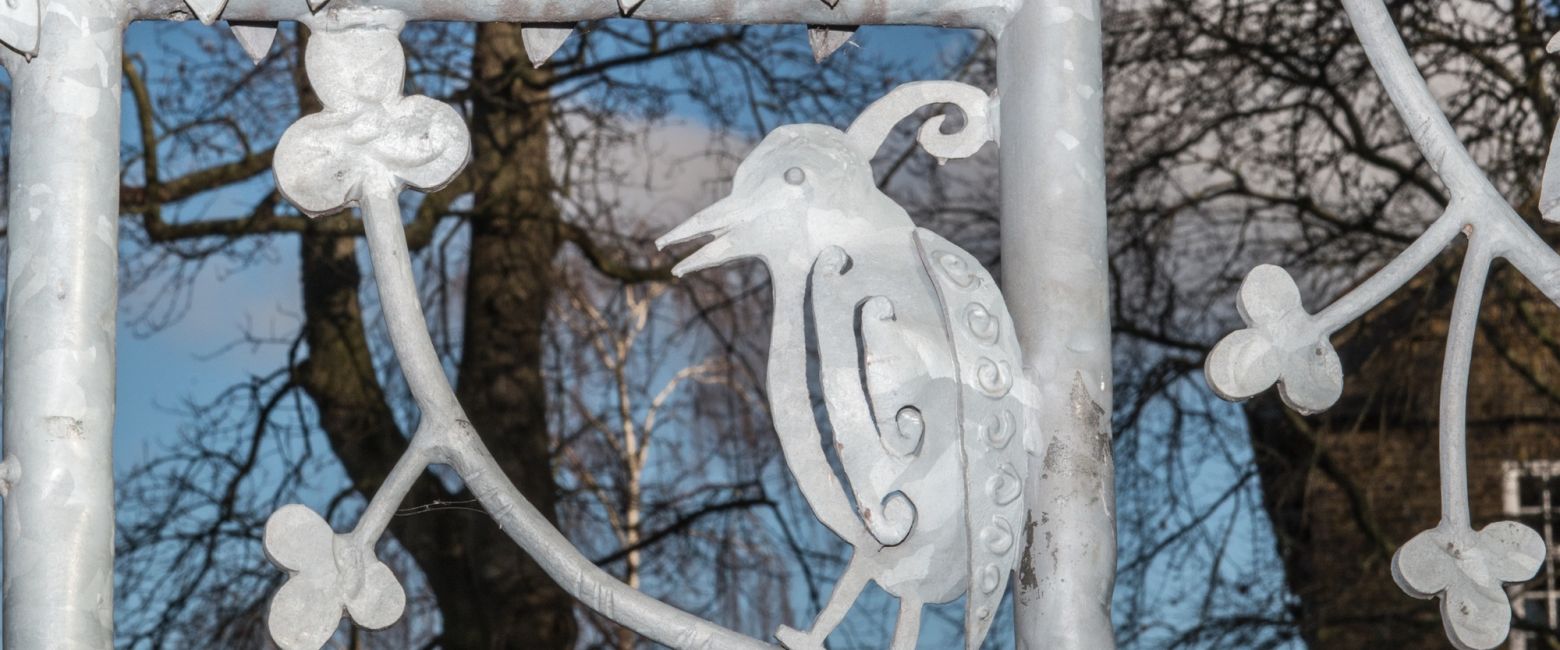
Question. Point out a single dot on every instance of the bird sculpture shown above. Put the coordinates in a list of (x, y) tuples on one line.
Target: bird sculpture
[(916, 358)]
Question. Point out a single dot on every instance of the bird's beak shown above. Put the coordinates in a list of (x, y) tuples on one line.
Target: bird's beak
[(717, 220)]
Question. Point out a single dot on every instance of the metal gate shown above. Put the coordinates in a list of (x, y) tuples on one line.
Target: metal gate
[(990, 448)]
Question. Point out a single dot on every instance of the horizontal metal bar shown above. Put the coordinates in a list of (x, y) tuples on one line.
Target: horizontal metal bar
[(989, 15)]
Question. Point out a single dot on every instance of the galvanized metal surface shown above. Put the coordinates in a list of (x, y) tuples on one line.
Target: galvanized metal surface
[(1284, 343), (990, 15), (1054, 270), (925, 408), (951, 367), (944, 397), (61, 297), (940, 406), (365, 147)]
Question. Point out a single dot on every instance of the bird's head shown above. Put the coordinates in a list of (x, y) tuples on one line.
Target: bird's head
[(804, 187)]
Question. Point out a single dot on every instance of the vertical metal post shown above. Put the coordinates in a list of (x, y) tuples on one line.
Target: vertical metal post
[(61, 297), (1054, 267)]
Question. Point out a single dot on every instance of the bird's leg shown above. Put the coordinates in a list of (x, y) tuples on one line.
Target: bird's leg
[(846, 589), (908, 629)]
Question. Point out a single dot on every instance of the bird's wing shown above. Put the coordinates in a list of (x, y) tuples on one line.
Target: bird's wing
[(994, 459), (883, 369)]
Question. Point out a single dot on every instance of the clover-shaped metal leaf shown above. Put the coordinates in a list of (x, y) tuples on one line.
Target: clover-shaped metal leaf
[(1467, 569), (1281, 344), (368, 137), (327, 573)]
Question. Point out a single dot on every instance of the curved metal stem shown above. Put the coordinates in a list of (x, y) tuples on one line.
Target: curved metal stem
[(446, 436), (1395, 274), (1411, 95), (1454, 381)]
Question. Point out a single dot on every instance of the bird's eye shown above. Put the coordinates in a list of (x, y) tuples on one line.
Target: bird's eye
[(795, 176)]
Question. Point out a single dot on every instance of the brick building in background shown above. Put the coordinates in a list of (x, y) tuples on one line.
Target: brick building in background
[(1347, 487)]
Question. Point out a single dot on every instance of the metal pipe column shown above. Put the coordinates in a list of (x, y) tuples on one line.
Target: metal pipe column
[(61, 297), (1054, 269)]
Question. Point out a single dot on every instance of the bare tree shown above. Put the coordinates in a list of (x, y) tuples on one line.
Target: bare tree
[(1247, 132)]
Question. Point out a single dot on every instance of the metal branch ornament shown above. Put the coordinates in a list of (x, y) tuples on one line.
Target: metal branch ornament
[(369, 140), (918, 363), (1465, 568), (366, 146), (328, 573), (1282, 345)]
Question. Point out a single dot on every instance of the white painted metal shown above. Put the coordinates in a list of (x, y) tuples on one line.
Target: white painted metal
[(61, 297), (1055, 276), (1284, 343)]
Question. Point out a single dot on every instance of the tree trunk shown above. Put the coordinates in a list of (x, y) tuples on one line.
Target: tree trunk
[(490, 595)]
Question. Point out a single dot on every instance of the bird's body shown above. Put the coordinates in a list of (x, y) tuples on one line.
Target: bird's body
[(916, 359), (887, 281)]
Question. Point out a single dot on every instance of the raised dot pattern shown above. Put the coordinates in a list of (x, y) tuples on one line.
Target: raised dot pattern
[(987, 359)]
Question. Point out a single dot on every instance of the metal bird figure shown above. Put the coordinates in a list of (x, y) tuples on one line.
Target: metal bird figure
[(917, 362)]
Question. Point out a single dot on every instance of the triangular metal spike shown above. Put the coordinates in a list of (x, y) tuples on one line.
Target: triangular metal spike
[(207, 10), (19, 25), (543, 39), (628, 6), (825, 40), (255, 38), (314, 5)]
